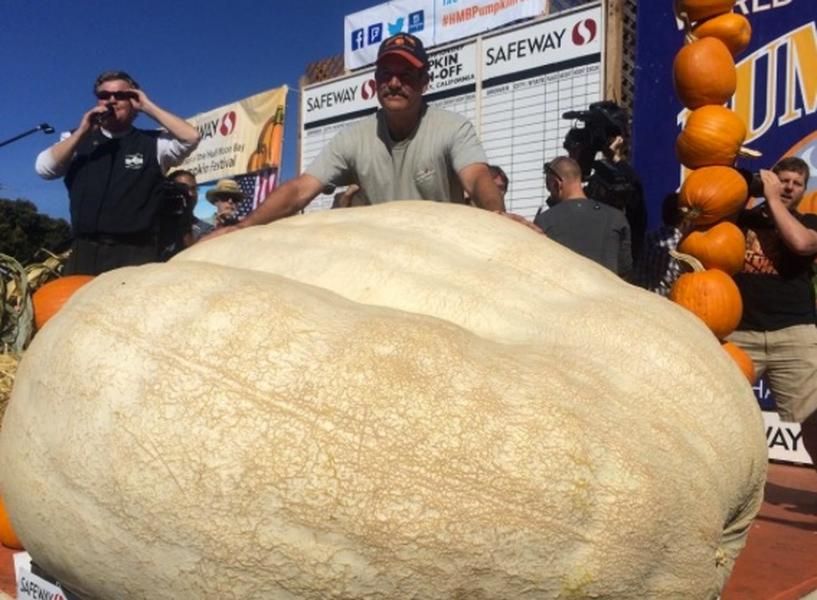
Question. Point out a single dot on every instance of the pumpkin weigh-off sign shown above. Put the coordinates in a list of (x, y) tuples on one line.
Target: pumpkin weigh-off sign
[(351, 405)]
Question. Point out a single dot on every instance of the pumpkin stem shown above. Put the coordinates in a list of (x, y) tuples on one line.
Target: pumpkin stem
[(688, 215), (749, 153), (689, 37), (689, 260)]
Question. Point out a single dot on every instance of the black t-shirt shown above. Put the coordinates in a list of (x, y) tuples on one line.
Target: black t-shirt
[(775, 283)]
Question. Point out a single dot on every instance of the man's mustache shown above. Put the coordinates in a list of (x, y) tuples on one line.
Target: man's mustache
[(394, 92)]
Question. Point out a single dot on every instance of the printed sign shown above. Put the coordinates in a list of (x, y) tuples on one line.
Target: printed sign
[(246, 136), (435, 22), (32, 587), (364, 30), (784, 440), (458, 19), (531, 76)]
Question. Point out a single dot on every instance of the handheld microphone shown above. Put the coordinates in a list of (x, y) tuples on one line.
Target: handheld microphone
[(99, 118)]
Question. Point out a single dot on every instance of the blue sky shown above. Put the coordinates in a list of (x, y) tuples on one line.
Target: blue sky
[(188, 56)]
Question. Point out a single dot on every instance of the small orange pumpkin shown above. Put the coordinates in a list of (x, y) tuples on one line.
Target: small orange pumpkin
[(7, 536), (709, 294), (732, 29), (703, 9), (704, 73), (713, 135), (49, 298), (742, 359), (722, 246), (710, 194)]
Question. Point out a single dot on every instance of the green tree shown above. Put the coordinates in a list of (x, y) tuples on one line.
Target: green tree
[(23, 230)]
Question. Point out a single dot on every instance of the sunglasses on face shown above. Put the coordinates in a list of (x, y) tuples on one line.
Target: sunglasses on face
[(548, 170), (115, 95), (410, 77)]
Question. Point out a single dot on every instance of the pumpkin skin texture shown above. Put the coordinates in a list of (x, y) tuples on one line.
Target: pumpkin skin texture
[(704, 73), (710, 194), (712, 296), (722, 246), (743, 360), (713, 135), (49, 298), (732, 29), (703, 9), (393, 401)]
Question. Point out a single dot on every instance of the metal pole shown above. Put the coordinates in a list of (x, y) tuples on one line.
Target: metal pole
[(44, 127)]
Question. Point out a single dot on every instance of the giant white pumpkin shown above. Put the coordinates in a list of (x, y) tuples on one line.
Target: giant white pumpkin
[(414, 400)]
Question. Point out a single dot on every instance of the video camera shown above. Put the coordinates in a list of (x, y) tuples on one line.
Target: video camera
[(606, 180), (602, 122)]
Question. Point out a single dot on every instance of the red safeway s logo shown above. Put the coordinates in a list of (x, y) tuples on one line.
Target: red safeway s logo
[(227, 125), (368, 89), (585, 32)]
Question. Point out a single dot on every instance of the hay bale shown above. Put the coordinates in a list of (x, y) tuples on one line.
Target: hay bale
[(8, 367)]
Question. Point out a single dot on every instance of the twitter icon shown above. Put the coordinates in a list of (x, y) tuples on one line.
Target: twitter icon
[(396, 27)]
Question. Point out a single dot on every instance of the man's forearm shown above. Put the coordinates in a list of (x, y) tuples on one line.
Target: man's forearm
[(282, 202), (799, 238), (176, 126), (63, 151)]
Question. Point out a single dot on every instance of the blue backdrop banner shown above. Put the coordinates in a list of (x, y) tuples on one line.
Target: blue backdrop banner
[(776, 94)]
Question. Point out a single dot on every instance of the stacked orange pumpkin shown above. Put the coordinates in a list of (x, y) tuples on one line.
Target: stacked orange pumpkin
[(714, 191)]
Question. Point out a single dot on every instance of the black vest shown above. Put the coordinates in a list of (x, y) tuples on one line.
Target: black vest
[(112, 184)]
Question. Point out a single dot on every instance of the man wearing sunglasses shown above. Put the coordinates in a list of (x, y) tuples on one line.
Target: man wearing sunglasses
[(593, 229), (113, 173), (406, 151)]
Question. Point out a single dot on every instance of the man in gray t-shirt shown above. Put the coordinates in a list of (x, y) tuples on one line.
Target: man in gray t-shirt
[(406, 151)]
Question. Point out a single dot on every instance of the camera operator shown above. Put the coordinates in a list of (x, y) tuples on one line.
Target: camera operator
[(179, 227), (113, 173), (611, 179)]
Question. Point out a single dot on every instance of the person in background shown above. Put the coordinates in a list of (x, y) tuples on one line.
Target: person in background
[(113, 173), (655, 269), (408, 150), (225, 196), (777, 329), (193, 228), (590, 228)]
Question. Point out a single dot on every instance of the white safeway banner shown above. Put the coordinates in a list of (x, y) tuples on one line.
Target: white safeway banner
[(364, 30), (435, 22)]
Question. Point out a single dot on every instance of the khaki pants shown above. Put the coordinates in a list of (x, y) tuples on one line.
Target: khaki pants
[(789, 359)]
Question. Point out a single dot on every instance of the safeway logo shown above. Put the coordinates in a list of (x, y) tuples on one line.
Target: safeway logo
[(228, 122), (368, 89), (585, 32)]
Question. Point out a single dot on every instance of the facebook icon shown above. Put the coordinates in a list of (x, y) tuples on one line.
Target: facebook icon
[(357, 39), (375, 33)]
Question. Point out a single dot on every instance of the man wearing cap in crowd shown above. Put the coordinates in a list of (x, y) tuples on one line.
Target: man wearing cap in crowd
[(226, 196), (406, 151)]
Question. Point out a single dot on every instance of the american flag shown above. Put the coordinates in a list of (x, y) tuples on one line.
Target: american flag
[(255, 186)]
